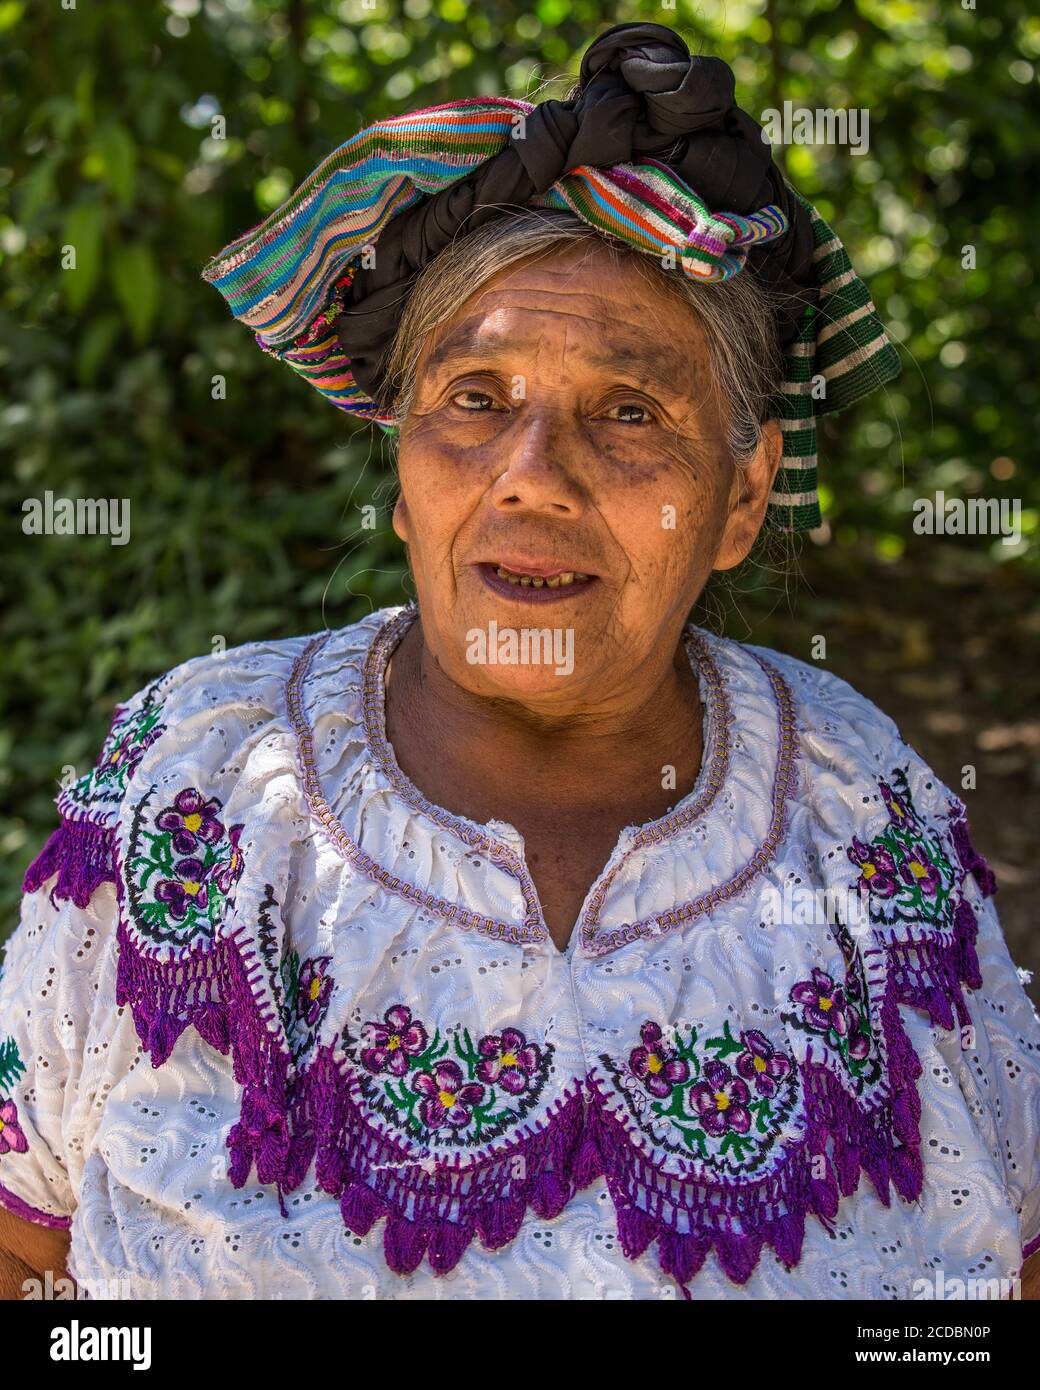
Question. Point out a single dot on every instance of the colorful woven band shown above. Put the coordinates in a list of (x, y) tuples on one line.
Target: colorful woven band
[(284, 279)]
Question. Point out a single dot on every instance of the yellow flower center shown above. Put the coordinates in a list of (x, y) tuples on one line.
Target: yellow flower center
[(192, 822), (654, 1063), (918, 869), (191, 887), (721, 1100), (315, 987), (1, 1126), (826, 1004), (869, 870), (447, 1099), (509, 1059), (393, 1041), (759, 1064)]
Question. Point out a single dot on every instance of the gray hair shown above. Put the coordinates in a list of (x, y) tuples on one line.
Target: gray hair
[(735, 315)]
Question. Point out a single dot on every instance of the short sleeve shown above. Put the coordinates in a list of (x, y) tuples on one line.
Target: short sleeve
[(999, 1070), (51, 979), (994, 1052), (48, 990)]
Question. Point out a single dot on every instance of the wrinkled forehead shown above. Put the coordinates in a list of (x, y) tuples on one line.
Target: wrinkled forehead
[(599, 312)]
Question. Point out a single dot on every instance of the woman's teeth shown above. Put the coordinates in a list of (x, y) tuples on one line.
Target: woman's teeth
[(530, 581)]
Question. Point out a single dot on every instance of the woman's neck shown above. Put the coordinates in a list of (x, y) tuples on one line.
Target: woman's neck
[(637, 753)]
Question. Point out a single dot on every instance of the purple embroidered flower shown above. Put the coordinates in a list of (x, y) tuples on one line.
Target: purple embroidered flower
[(898, 810), (389, 1045), (192, 818), (448, 1099), (859, 1043), (920, 872), (12, 1140), (121, 753), (228, 874), (761, 1064), (655, 1064), (314, 989), (131, 748), (823, 1003), (189, 889), (507, 1060), (878, 869), (721, 1101)]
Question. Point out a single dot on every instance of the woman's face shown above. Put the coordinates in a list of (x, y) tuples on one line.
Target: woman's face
[(564, 425)]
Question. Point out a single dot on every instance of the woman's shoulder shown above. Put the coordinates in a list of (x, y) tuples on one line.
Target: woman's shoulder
[(208, 701), (850, 754), (255, 675), (201, 728), (834, 722), (826, 700)]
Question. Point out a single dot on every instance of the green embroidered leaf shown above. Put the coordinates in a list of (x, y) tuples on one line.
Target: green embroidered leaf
[(737, 1144), (694, 1141), (763, 1115), (466, 1052), (11, 1064), (727, 1044)]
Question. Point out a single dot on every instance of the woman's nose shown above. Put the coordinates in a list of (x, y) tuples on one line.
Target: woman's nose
[(543, 467)]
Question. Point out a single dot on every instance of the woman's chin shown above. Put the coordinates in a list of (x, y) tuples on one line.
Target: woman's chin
[(541, 681)]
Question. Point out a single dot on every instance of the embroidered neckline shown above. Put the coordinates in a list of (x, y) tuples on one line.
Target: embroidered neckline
[(373, 716), (717, 743), (348, 847), (784, 780)]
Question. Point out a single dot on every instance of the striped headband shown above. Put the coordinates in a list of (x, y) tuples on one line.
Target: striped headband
[(289, 279)]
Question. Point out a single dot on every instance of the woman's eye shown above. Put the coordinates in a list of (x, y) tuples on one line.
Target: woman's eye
[(472, 399), (642, 415)]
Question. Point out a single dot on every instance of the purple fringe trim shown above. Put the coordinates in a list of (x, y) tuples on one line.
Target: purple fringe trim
[(434, 1214), (972, 861), (80, 853), (212, 988), (739, 1220), (17, 1207), (929, 972)]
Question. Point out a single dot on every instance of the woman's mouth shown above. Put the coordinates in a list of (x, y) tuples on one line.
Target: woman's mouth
[(535, 584)]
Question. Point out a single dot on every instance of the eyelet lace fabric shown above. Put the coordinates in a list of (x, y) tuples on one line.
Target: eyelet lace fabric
[(274, 1025)]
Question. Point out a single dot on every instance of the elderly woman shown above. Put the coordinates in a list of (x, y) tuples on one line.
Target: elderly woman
[(529, 941)]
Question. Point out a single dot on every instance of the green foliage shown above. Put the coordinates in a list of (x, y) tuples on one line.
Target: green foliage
[(146, 136)]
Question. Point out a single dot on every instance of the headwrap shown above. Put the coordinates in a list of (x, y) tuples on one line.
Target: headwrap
[(650, 149)]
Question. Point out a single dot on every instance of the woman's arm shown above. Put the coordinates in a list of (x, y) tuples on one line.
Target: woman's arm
[(28, 1251)]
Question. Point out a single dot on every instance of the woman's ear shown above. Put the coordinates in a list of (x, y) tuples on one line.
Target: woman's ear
[(749, 497), (400, 518)]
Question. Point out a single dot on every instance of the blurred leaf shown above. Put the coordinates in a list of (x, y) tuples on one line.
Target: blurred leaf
[(37, 189), (119, 155), (83, 227), (136, 284), (95, 345)]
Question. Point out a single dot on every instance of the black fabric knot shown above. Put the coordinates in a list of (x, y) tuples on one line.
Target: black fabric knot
[(640, 96)]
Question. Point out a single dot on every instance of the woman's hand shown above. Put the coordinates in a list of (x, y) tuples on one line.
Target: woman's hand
[(28, 1251)]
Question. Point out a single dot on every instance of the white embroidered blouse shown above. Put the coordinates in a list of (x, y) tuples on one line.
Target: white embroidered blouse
[(275, 1026)]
